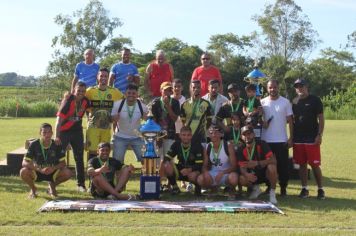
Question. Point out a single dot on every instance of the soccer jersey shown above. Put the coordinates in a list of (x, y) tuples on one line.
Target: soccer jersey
[(72, 113), (87, 73), (204, 75), (219, 160), (252, 103), (306, 112), (196, 114), (121, 72), (161, 116), (227, 108), (101, 104), (44, 157), (187, 157), (113, 164), (260, 151)]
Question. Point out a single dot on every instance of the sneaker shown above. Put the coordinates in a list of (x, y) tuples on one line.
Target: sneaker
[(272, 197), (256, 191), (111, 197), (189, 187), (304, 193), (81, 189), (283, 192), (321, 194)]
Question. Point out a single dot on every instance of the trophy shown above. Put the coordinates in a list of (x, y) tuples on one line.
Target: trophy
[(150, 179), (256, 77)]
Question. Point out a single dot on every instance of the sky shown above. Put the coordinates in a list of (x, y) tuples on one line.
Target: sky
[(27, 27)]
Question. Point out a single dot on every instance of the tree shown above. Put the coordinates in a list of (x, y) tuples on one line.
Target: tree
[(287, 34), (88, 28)]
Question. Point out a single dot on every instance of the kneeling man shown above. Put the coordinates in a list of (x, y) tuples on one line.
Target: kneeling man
[(44, 161), (189, 164), (257, 164), (108, 176)]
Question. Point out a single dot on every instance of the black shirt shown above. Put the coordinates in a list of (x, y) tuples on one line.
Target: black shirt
[(48, 157), (226, 110), (161, 116), (194, 158), (113, 164), (306, 112)]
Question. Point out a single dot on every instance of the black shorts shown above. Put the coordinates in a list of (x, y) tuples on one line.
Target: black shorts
[(260, 174), (99, 194), (177, 168), (42, 177)]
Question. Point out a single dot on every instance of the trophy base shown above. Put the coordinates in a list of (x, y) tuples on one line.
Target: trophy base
[(149, 187)]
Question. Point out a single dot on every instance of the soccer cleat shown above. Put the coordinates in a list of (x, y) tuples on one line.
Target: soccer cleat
[(175, 190), (272, 197), (256, 191), (321, 194), (283, 192), (304, 193), (189, 187)]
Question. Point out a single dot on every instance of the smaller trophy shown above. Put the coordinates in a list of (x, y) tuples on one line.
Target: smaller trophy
[(150, 179)]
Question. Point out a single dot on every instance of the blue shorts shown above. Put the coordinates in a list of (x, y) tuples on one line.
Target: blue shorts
[(214, 173)]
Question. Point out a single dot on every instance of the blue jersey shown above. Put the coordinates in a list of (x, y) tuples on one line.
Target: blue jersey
[(121, 72), (87, 73)]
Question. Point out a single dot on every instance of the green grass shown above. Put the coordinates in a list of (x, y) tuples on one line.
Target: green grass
[(334, 216)]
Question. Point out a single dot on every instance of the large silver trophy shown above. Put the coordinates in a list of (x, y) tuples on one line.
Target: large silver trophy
[(150, 179)]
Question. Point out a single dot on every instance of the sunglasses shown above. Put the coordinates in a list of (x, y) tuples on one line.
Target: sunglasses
[(205, 59)]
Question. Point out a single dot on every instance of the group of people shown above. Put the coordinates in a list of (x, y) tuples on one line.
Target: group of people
[(211, 140)]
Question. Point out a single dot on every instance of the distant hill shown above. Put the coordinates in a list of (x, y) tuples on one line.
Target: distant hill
[(13, 79)]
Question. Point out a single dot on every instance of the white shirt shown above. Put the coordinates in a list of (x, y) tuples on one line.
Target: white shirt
[(216, 104), (280, 109), (179, 123), (128, 128)]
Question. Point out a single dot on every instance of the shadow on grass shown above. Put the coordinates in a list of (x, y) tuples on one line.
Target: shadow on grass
[(343, 183)]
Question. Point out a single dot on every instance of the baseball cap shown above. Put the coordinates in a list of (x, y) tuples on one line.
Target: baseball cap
[(166, 85), (299, 81), (232, 86), (245, 129)]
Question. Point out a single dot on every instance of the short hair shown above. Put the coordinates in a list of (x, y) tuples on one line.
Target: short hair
[(126, 50), (88, 50), (104, 144), (186, 128), (273, 81), (206, 53), (177, 81), (214, 81), (80, 84), (195, 82), (250, 87), (235, 114), (132, 86), (104, 70), (160, 52), (45, 126)]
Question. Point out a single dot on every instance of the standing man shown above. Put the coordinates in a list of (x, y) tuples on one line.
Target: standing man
[(277, 113), (86, 71), (177, 94), (308, 133), (166, 110), (124, 72), (157, 72), (69, 129), (128, 114), (102, 98), (235, 105), (215, 99), (196, 113), (205, 73), (44, 161)]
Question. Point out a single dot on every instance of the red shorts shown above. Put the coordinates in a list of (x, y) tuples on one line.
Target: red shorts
[(306, 153)]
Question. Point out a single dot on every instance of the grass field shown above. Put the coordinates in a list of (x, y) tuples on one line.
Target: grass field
[(334, 216)]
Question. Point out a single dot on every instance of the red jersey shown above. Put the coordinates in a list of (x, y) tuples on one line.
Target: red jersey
[(204, 75), (158, 75), (261, 152)]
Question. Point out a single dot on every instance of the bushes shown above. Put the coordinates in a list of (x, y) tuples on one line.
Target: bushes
[(45, 108), (341, 105)]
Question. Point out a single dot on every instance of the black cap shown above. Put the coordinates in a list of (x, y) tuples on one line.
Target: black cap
[(299, 81), (245, 129), (233, 86)]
